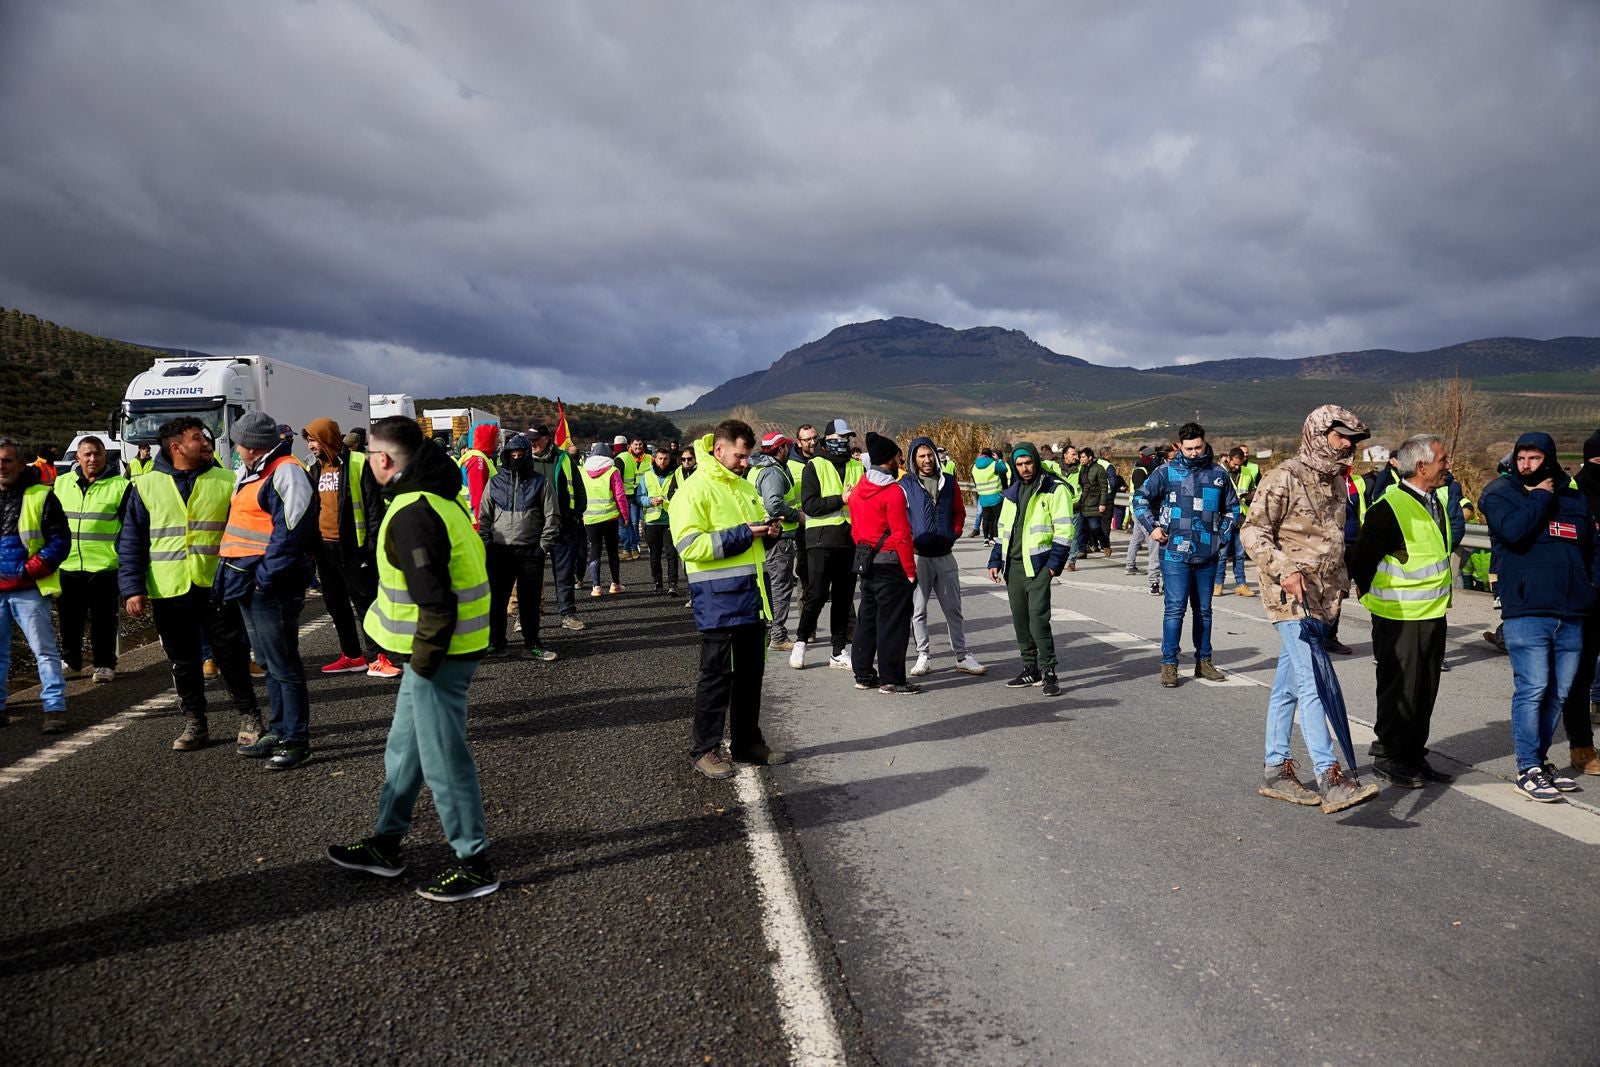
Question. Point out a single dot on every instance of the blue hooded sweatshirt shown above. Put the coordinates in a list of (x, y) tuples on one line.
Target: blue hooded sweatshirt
[(1546, 539), (1194, 501), (934, 529)]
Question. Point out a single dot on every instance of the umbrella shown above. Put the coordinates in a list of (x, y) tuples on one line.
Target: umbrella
[(1314, 632)]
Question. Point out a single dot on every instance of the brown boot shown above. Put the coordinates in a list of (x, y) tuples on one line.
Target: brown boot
[(1585, 760), (1244, 590), (1204, 669), (714, 765), (195, 736), (1169, 675)]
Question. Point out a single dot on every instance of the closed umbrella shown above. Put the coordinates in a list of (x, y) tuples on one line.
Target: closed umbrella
[(1315, 632)]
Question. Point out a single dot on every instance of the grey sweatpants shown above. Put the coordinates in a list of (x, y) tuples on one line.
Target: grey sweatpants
[(1141, 536), (938, 576), (780, 587)]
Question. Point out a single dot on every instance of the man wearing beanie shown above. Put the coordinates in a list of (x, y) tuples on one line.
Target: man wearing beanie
[(880, 520), (1546, 533), (264, 566), (1032, 540)]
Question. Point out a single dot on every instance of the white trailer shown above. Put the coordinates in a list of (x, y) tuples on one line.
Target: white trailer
[(219, 390), (456, 422), (383, 405)]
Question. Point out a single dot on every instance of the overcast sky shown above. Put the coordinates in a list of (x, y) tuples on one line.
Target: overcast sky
[(618, 200)]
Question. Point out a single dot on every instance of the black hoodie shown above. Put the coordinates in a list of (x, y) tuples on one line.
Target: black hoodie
[(419, 545)]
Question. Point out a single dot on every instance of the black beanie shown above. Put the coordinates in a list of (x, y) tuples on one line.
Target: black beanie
[(881, 450), (1591, 447)]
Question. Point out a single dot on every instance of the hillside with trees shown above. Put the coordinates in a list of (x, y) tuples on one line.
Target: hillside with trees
[(55, 381), (588, 422)]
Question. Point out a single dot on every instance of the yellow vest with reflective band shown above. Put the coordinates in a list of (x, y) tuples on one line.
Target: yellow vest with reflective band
[(392, 619), (654, 485), (138, 467), (948, 466), (352, 472), (466, 496), (829, 484), (1049, 520), (632, 470), (184, 537), (986, 480), (712, 503), (30, 529), (797, 470), (1249, 474), (1419, 588), (600, 505), (92, 517), (1071, 481)]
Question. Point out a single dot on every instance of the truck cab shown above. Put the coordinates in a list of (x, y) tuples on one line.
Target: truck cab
[(217, 392)]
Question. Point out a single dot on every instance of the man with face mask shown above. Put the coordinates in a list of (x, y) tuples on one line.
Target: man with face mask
[(825, 498), (1295, 535), (1547, 540)]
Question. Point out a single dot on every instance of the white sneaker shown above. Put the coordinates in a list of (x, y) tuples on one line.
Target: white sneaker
[(969, 664), (797, 655), (841, 662), (103, 675), (922, 666)]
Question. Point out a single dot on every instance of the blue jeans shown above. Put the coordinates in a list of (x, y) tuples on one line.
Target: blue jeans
[(1187, 585), (273, 622), (630, 526), (1294, 684), (1236, 550), (1544, 657), (31, 610)]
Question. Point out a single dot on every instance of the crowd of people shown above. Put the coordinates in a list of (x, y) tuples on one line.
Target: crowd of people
[(422, 560)]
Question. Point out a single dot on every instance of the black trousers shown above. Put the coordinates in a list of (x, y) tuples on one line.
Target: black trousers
[(828, 577), (732, 661), (1575, 712), (603, 534), (990, 521), (92, 596), (658, 536), (180, 620), (566, 561), (1409, 655), (348, 589), (883, 626), (524, 569)]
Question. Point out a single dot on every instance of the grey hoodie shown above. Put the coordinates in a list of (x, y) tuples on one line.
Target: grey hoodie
[(770, 476)]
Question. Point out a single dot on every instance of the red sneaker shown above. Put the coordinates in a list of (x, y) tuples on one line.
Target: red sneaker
[(382, 668), (346, 665)]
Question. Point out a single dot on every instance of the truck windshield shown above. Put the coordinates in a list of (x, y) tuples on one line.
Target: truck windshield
[(145, 419)]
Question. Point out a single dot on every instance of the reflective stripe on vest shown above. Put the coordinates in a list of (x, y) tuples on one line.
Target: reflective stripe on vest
[(656, 485), (92, 517), (1420, 587), (184, 537), (830, 484), (632, 469), (358, 508), (392, 619), (249, 528), (600, 505), (30, 530), (986, 480), (706, 507), (138, 467), (1049, 521)]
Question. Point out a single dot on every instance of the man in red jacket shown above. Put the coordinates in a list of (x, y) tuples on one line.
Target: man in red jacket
[(880, 519)]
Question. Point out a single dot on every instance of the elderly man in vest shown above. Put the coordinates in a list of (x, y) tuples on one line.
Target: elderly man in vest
[(349, 510), (1035, 534), (93, 501), (1401, 564), (721, 530), (433, 606), (167, 564), (775, 480), (34, 540), (265, 568)]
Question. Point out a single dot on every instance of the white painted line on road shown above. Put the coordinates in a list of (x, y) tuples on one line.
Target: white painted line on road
[(1576, 823), (802, 1001)]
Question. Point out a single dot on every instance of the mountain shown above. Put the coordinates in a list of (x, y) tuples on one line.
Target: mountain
[(1489, 358)]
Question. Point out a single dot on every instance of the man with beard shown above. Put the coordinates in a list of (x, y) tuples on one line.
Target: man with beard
[(557, 467), (824, 497)]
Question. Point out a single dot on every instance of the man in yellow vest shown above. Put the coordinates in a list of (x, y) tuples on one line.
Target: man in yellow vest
[(655, 491), (825, 489), (34, 540), (349, 511), (432, 606), (1030, 548), (631, 463), (721, 530), (93, 502), (167, 563), (141, 462), (1401, 564)]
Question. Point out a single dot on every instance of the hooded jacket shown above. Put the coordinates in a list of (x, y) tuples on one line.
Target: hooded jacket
[(936, 518), (879, 509), (20, 569), (1194, 501), (519, 507), (332, 444), (474, 472), (289, 497), (770, 476), (709, 522), (1547, 539), (1094, 487), (561, 471), (984, 463), (1021, 495), (595, 466), (418, 543), (1296, 522)]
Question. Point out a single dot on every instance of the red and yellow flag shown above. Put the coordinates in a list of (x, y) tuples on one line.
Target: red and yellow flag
[(562, 433)]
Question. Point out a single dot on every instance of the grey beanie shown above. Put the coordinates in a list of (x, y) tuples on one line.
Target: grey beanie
[(256, 429)]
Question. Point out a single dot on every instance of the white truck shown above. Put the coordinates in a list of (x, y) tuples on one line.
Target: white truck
[(219, 390), (383, 405)]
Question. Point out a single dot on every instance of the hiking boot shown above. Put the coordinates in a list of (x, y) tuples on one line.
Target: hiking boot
[(760, 755), (262, 747), (374, 855), (195, 736), (714, 765), (249, 730), (1585, 760), (797, 655), (55, 722), (208, 669), (1051, 687), (903, 689), (1533, 784), (1339, 792), (540, 655), (571, 622), (1562, 782), (969, 664), (1169, 676), (1030, 676), (1243, 590), (1594, 712), (382, 667), (1495, 638), (1204, 669), (257, 670), (1109, 553), (922, 666), (780, 646), (1217, 590), (1280, 782), (103, 675), (461, 882)]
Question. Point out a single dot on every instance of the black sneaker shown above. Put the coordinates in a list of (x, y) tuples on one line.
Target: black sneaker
[(903, 689), (288, 757), (374, 855), (868, 683), (1051, 689), (1155, 588), (498, 652), (461, 882), (1028, 677)]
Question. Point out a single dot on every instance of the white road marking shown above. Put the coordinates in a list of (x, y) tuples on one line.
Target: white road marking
[(1572, 820), (802, 1001)]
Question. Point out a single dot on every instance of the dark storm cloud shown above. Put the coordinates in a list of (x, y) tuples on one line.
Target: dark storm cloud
[(622, 199)]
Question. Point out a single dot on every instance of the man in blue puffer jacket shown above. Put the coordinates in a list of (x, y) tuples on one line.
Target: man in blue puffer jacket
[(937, 515), (1547, 538), (1190, 509)]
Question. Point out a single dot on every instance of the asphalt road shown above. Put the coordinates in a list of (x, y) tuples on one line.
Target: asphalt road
[(987, 875)]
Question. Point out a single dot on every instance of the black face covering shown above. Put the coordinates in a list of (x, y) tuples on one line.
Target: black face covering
[(1548, 469), (837, 447)]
